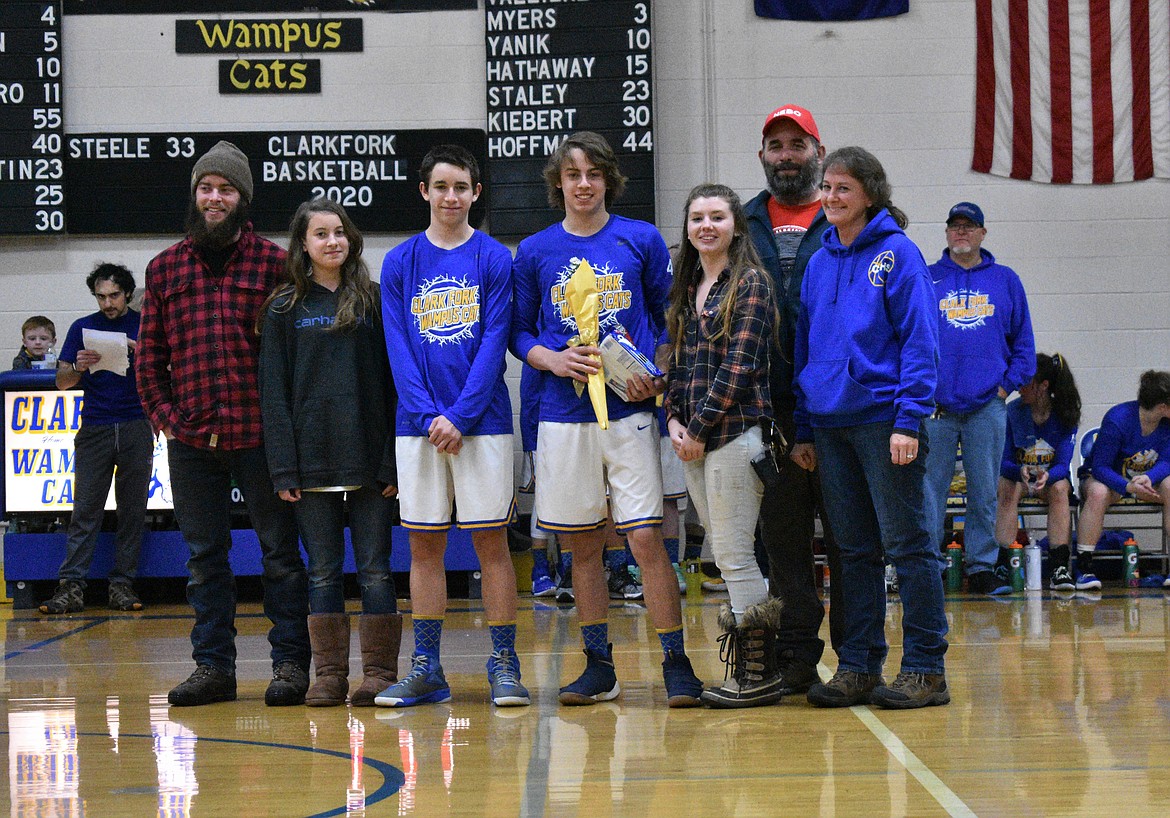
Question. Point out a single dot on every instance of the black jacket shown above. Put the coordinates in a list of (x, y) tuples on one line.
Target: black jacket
[(787, 298), (327, 398)]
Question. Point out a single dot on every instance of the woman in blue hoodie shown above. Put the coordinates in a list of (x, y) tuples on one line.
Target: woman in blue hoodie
[(866, 362)]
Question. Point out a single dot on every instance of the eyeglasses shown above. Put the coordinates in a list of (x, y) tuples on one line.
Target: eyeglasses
[(963, 228)]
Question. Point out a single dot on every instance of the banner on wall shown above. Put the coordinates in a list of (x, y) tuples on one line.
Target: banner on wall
[(259, 6), (38, 454), (830, 9)]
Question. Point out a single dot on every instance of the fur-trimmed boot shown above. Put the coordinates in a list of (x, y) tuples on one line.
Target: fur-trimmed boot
[(748, 648), (329, 638), (380, 636)]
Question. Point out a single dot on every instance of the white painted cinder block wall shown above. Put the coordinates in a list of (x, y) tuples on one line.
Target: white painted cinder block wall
[(1095, 260)]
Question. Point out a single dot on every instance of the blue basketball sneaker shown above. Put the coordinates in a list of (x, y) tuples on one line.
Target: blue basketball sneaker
[(503, 669), (425, 684), (597, 684)]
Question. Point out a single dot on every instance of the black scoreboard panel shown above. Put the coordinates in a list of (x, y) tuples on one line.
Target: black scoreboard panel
[(32, 177), (141, 182), (554, 68)]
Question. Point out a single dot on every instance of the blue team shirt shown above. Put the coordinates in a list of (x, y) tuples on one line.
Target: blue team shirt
[(447, 315), (109, 398), (1121, 452), (1048, 446), (633, 272)]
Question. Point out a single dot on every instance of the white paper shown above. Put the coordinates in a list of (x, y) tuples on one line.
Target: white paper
[(620, 364), (111, 346)]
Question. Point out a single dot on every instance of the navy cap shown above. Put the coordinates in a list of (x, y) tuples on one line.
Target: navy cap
[(968, 211)]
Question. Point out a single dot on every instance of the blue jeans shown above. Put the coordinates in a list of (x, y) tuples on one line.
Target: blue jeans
[(99, 449), (321, 519), (982, 434), (201, 481), (876, 507)]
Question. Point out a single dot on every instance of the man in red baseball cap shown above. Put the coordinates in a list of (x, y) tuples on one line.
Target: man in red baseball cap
[(785, 222)]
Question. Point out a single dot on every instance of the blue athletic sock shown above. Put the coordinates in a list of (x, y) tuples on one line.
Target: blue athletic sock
[(428, 632), (672, 641), (693, 549), (671, 544), (503, 636), (566, 561), (595, 635), (540, 563), (615, 558)]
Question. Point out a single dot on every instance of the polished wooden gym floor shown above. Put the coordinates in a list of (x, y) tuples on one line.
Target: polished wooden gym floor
[(1060, 707)]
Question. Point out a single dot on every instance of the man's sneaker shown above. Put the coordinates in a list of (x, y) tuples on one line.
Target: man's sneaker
[(543, 585), (681, 577), (68, 598), (1062, 579), (1088, 582), (845, 689), (565, 588), (597, 684), (1166, 582), (891, 579), (206, 685), (622, 585), (503, 669), (123, 598), (796, 675), (425, 684), (911, 690), (290, 683), (683, 687), (714, 585), (986, 582)]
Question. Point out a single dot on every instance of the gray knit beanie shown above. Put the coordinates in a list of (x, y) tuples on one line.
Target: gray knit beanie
[(226, 160)]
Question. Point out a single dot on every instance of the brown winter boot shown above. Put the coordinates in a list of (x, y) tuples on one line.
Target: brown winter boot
[(329, 638), (748, 648), (380, 636)]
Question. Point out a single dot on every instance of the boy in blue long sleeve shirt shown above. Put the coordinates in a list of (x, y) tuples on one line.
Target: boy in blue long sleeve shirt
[(447, 312)]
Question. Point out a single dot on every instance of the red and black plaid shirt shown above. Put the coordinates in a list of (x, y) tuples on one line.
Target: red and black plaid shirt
[(197, 350), (719, 388)]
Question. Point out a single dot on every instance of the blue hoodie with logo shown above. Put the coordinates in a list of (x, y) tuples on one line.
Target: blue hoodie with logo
[(984, 332), (867, 340)]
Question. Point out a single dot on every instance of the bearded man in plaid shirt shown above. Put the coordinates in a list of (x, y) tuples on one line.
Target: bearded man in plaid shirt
[(197, 376)]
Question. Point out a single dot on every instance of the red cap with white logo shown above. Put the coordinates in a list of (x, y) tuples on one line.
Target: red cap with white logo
[(801, 116)]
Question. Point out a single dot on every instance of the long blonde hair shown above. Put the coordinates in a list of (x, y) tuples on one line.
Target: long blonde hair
[(688, 270)]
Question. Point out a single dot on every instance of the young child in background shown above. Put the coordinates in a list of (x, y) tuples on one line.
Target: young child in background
[(40, 338)]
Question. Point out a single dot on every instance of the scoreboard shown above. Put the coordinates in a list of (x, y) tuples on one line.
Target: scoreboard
[(32, 172), (554, 68)]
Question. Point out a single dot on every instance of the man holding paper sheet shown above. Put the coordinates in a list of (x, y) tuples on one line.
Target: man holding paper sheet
[(581, 451), (114, 433)]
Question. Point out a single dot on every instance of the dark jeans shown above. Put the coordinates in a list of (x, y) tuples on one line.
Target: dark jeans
[(786, 527), (321, 519), (201, 481), (98, 450), (876, 506)]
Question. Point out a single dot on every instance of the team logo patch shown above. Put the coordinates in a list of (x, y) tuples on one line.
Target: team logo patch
[(1040, 453), (612, 296), (966, 309), (446, 310), (1139, 463), (880, 267)]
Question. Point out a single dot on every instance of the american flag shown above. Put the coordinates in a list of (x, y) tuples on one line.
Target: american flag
[(1072, 90)]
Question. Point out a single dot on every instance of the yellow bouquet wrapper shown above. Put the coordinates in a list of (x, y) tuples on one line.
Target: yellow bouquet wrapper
[(581, 293)]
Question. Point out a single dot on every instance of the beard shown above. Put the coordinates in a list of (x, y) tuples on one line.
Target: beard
[(215, 236), (792, 190)]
